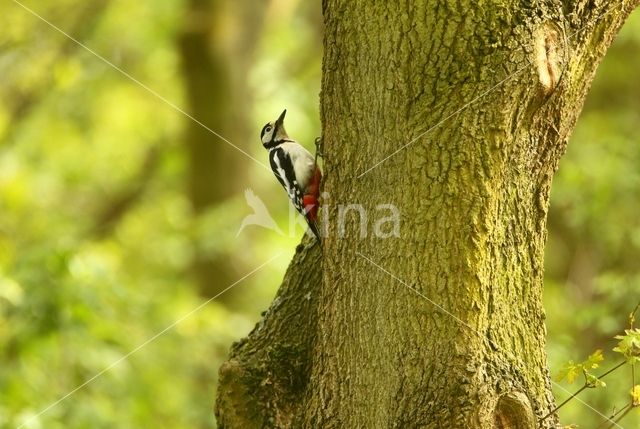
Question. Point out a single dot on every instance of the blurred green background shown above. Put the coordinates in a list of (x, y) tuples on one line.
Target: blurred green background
[(119, 215)]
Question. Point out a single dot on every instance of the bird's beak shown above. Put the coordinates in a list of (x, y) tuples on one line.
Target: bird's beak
[(280, 119)]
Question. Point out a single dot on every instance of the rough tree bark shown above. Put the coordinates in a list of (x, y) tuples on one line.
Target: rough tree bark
[(442, 327)]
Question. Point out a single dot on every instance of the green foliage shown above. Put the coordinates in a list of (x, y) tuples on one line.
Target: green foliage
[(82, 286), (629, 345), (571, 370)]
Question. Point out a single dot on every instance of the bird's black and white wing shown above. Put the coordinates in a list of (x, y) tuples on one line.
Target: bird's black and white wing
[(282, 167)]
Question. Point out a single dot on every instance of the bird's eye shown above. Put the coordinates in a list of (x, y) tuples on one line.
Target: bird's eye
[(268, 129)]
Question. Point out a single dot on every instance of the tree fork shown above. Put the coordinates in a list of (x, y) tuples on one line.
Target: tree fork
[(444, 326)]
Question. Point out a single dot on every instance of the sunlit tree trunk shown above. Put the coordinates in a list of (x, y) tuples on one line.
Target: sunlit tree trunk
[(443, 327)]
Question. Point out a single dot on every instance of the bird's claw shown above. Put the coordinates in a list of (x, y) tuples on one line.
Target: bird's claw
[(319, 147)]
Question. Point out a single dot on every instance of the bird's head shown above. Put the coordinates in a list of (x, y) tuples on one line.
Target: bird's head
[(273, 133)]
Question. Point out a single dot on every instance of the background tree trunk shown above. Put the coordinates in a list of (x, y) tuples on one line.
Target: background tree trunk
[(442, 326), (215, 65)]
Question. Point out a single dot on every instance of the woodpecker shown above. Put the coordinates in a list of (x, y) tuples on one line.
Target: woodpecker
[(296, 170)]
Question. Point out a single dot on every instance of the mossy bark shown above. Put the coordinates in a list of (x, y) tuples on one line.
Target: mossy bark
[(442, 326)]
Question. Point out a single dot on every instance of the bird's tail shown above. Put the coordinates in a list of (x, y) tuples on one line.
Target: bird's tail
[(313, 226)]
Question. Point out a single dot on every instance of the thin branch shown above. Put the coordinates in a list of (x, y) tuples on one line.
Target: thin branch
[(586, 385), (632, 316), (613, 369), (613, 423), (612, 417)]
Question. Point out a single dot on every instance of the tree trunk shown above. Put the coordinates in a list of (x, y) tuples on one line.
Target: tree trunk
[(470, 106), (209, 69)]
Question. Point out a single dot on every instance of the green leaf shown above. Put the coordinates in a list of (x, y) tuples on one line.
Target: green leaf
[(569, 372), (593, 361), (635, 395), (629, 345)]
